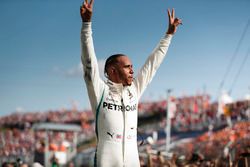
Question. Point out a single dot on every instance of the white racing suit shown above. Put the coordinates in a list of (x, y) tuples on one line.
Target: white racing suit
[(116, 106)]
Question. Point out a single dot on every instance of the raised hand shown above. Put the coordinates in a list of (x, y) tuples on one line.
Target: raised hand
[(173, 22), (86, 10)]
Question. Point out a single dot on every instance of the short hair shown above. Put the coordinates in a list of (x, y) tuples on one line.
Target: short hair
[(111, 60)]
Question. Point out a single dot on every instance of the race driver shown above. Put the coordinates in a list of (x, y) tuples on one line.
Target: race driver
[(115, 101)]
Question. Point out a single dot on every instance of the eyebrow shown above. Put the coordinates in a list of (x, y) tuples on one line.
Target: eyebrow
[(128, 65)]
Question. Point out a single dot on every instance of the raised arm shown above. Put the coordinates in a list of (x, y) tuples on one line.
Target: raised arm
[(153, 62), (94, 83)]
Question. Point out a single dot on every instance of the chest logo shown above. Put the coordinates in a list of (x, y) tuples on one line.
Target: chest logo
[(130, 95), (116, 107), (111, 135)]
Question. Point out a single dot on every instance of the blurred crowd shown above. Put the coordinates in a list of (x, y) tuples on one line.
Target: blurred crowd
[(228, 147), (194, 113), (219, 146), (18, 139)]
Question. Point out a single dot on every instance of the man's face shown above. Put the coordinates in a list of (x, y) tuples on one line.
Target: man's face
[(124, 70)]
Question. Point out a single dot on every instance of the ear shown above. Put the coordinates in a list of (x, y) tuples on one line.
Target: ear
[(113, 70), (110, 71)]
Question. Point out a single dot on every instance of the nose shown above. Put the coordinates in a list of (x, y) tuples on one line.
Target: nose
[(131, 70)]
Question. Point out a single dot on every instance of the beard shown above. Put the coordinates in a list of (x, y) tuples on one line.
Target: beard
[(125, 79), (129, 81)]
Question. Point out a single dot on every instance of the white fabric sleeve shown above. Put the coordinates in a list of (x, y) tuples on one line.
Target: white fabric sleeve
[(94, 83), (151, 65)]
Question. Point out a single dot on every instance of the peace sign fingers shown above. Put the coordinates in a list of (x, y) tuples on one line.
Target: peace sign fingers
[(173, 22), (86, 10)]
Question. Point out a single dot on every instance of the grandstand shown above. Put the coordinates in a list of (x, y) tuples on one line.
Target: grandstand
[(195, 129), (63, 150)]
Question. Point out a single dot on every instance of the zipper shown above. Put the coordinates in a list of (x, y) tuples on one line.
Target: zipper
[(124, 131)]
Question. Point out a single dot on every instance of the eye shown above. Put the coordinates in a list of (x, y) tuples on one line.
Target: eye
[(128, 66)]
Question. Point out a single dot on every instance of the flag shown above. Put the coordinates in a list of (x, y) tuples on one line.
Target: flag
[(171, 107), (223, 100)]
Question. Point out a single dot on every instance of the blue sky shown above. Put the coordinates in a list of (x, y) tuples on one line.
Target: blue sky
[(40, 48)]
